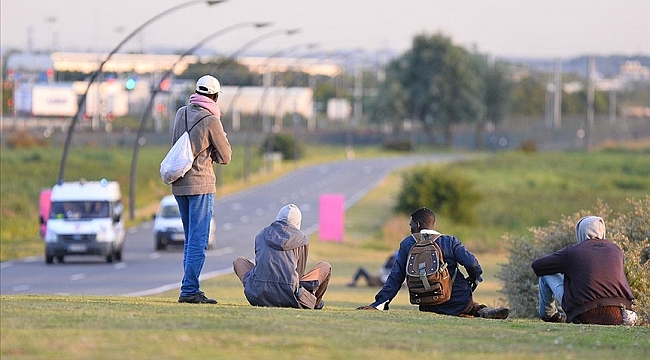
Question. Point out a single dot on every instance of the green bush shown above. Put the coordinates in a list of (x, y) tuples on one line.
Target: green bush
[(282, 143), (442, 190), (398, 145), (630, 231)]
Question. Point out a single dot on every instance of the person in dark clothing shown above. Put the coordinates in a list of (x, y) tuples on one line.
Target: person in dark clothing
[(587, 279), (278, 277), (371, 279), (454, 254)]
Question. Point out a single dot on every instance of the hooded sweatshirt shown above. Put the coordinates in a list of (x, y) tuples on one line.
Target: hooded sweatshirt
[(281, 251), (593, 270)]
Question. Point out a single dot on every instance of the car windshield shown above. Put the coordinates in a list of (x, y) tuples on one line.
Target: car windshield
[(79, 209), (170, 211)]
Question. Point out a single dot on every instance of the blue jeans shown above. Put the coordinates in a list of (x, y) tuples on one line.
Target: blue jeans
[(196, 212), (551, 287)]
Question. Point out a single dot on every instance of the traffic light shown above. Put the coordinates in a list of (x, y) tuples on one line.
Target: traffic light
[(130, 84), (165, 85)]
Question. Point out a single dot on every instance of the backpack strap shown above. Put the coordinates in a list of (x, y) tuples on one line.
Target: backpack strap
[(196, 123)]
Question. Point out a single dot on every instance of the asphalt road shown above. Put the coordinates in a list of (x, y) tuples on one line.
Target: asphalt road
[(239, 217)]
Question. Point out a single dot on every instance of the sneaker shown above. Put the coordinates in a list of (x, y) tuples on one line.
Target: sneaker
[(494, 313), (630, 318), (558, 317), (198, 298), (320, 305)]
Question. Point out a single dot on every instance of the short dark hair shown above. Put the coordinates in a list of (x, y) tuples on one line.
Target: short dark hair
[(425, 217)]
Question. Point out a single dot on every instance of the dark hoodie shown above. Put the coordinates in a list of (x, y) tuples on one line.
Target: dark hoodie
[(281, 251), (593, 270)]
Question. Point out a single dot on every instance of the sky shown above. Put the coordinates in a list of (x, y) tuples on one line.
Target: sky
[(500, 28)]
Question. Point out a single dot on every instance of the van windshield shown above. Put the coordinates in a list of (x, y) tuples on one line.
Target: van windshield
[(170, 211), (79, 210)]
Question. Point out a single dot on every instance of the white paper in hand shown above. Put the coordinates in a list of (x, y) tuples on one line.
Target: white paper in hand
[(178, 160)]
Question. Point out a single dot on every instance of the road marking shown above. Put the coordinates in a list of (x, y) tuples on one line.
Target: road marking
[(259, 211), (177, 285), (154, 255), (120, 266), (227, 226), (19, 288), (6, 264), (78, 276), (220, 252), (244, 218)]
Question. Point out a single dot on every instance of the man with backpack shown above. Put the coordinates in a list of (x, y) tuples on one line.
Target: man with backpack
[(428, 296)]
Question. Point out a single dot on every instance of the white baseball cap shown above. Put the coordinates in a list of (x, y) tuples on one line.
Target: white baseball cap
[(208, 85)]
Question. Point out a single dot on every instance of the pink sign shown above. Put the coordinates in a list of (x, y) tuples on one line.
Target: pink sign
[(330, 222), (44, 209)]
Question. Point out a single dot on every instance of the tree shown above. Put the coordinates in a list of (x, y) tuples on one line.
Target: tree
[(528, 97), (497, 90), (435, 83)]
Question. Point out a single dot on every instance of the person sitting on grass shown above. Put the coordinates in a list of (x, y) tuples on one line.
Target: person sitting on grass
[(454, 253), (278, 277), (587, 279), (371, 279)]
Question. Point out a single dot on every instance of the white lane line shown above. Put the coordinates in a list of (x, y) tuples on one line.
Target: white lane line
[(120, 266), (154, 255), (19, 288), (6, 264), (177, 285), (227, 226), (220, 252), (78, 276)]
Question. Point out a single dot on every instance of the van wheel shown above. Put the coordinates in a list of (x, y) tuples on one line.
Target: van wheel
[(118, 255), (49, 259), (109, 258), (160, 245), (60, 259)]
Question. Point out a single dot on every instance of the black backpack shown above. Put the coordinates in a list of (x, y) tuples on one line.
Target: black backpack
[(427, 276)]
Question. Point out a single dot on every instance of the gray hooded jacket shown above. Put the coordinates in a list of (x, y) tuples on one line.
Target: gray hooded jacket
[(281, 251)]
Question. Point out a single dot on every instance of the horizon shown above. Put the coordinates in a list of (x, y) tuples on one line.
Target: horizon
[(500, 28)]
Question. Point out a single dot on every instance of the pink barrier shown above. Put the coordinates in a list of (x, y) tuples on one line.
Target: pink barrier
[(331, 214), (44, 209)]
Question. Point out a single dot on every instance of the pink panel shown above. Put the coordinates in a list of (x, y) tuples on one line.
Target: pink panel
[(44, 208), (331, 214)]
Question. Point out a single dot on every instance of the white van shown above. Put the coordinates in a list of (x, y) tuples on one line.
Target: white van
[(168, 226), (85, 219)]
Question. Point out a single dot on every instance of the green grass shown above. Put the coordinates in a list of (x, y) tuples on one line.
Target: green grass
[(87, 327)]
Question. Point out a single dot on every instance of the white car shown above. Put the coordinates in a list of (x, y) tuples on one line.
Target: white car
[(168, 226)]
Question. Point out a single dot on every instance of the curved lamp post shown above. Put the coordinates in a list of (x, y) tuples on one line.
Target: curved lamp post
[(147, 111), (82, 100)]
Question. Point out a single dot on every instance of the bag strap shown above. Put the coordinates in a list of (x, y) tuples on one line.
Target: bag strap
[(433, 242), (196, 123)]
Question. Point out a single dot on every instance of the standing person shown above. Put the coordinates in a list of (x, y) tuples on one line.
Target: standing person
[(278, 277), (374, 280), (194, 192), (454, 253), (587, 279)]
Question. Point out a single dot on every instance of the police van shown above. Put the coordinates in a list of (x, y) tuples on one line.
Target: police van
[(85, 219)]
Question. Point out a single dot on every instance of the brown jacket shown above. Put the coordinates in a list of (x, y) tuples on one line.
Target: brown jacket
[(209, 143)]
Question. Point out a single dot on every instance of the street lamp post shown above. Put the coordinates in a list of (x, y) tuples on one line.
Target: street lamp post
[(147, 111), (82, 100), (235, 55)]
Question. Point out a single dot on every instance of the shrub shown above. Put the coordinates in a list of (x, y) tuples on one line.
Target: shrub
[(283, 143), (630, 231), (398, 145), (440, 189), (24, 140)]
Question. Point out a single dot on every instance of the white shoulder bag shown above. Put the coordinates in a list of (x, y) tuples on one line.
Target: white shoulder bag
[(180, 157)]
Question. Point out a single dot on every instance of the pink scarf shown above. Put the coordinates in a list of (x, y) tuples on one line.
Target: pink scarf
[(206, 103)]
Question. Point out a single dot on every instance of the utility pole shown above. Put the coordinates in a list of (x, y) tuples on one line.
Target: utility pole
[(589, 123), (557, 96)]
